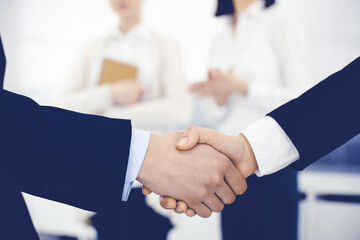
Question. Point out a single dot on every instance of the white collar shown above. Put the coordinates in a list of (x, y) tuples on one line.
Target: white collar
[(140, 31)]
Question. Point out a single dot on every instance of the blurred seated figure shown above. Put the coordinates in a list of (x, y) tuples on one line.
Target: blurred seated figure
[(132, 73)]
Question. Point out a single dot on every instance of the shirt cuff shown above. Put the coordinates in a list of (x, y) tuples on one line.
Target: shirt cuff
[(273, 149), (138, 147)]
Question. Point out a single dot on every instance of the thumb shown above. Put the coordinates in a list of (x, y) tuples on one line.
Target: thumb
[(188, 140), (195, 135)]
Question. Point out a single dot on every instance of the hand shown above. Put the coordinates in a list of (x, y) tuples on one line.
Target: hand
[(202, 177), (126, 92), (220, 85), (237, 148), (220, 99)]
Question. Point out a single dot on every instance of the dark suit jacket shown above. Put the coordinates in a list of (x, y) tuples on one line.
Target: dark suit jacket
[(324, 117), (60, 155)]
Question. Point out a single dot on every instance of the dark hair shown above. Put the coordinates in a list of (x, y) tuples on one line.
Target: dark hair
[(226, 7)]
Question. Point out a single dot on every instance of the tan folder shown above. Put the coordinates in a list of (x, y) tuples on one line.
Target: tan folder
[(113, 71)]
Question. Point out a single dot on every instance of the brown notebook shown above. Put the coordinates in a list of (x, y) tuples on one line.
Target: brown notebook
[(112, 71)]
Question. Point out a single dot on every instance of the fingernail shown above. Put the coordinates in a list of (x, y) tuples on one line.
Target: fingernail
[(179, 209), (182, 141), (167, 205)]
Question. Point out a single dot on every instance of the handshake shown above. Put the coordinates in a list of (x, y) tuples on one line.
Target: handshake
[(198, 170)]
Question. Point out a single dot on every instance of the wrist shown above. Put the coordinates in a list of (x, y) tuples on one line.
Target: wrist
[(145, 169), (247, 163)]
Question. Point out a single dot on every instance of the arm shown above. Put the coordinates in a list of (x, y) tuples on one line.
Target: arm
[(64, 156), (327, 114), (160, 114), (306, 129), (288, 48), (80, 93), (82, 160)]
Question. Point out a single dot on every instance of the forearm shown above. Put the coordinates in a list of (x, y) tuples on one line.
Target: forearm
[(93, 100), (64, 156), (327, 113), (270, 146), (160, 114)]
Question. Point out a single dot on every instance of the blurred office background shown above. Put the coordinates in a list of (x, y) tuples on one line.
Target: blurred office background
[(43, 39)]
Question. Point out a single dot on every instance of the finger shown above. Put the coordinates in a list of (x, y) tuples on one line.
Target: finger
[(214, 203), (235, 181), (195, 135), (190, 213), (181, 207), (202, 210), (167, 202), (225, 193), (146, 191)]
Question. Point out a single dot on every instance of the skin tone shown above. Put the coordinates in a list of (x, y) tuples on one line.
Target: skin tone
[(237, 148), (129, 91), (203, 177), (126, 92), (221, 85), (205, 184)]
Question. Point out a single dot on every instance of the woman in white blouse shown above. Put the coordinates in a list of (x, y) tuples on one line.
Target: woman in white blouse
[(257, 63), (154, 100)]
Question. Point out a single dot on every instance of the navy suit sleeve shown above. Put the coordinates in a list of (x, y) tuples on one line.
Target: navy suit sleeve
[(324, 117), (61, 155), (68, 157)]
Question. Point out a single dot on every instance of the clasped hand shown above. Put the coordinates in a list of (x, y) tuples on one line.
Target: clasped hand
[(203, 172)]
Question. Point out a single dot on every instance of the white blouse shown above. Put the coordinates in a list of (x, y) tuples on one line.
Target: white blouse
[(268, 51), (164, 105)]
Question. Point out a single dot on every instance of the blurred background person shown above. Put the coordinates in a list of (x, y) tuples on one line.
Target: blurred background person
[(257, 63), (154, 98)]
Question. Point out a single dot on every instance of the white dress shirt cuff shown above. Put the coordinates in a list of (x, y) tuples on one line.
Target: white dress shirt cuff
[(273, 149), (138, 147)]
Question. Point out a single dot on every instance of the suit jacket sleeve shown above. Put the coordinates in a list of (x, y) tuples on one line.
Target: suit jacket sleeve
[(61, 155), (324, 117)]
